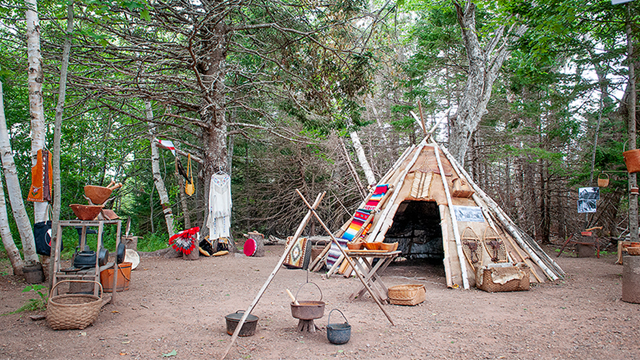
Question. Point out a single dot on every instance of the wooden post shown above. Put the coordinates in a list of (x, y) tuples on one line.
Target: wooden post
[(454, 222), (301, 227)]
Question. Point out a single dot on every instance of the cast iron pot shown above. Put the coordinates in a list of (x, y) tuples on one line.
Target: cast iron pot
[(249, 326), (308, 310), (338, 333), (87, 258)]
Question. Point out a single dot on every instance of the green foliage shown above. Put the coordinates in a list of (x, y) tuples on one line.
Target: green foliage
[(153, 242)]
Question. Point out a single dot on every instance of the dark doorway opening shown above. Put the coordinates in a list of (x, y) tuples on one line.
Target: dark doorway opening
[(416, 228)]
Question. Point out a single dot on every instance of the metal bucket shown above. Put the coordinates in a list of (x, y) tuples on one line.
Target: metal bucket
[(308, 310), (338, 333), (249, 326)]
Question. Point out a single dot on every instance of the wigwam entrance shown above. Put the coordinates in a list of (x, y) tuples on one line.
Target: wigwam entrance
[(416, 228)]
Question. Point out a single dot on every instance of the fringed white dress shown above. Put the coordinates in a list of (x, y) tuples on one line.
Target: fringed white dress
[(219, 217)]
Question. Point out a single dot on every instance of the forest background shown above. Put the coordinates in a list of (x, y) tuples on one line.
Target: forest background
[(319, 96)]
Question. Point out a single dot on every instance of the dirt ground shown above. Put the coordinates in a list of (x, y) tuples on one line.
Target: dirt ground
[(176, 308)]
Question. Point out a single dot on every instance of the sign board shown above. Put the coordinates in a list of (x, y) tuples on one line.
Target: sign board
[(586, 206), (616, 2), (589, 193), (468, 213)]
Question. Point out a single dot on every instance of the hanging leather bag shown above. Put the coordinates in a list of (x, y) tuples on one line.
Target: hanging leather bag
[(190, 188)]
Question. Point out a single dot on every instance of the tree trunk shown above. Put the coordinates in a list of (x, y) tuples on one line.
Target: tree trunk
[(362, 158), (211, 72), (157, 177), (483, 68), (35, 80), (15, 194), (5, 231), (57, 187)]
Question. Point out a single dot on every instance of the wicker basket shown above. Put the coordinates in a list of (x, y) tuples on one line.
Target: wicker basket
[(485, 280), (72, 311), (407, 294)]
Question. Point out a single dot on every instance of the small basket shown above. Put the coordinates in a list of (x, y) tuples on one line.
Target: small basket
[(602, 181), (411, 294), (72, 311)]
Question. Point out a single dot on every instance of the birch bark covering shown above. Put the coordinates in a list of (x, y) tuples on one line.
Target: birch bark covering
[(362, 158), (5, 231), (484, 65), (35, 80), (157, 177), (7, 238), (13, 189)]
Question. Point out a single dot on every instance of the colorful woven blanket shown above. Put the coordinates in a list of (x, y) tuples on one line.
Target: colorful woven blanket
[(377, 195), (358, 220)]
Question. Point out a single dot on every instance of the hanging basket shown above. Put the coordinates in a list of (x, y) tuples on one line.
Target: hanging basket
[(631, 159), (603, 182)]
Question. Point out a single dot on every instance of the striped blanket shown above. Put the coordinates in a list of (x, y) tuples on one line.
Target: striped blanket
[(358, 220), (377, 195), (334, 253)]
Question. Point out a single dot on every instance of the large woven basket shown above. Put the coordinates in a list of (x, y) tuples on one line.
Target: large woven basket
[(73, 311), (407, 294)]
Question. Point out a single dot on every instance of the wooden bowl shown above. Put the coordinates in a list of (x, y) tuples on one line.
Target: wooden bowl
[(389, 246), (97, 194), (632, 250), (86, 212), (372, 245), (354, 246)]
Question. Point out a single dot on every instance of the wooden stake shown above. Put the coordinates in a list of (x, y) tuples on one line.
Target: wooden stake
[(301, 228), (360, 276)]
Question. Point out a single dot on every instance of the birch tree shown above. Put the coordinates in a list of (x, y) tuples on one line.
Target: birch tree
[(155, 168), (362, 158), (5, 231), (36, 108), (15, 194)]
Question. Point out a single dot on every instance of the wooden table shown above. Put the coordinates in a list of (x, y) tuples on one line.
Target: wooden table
[(90, 274), (364, 261)]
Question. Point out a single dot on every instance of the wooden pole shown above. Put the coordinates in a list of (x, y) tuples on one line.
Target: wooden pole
[(301, 228), (454, 221), (360, 276)]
